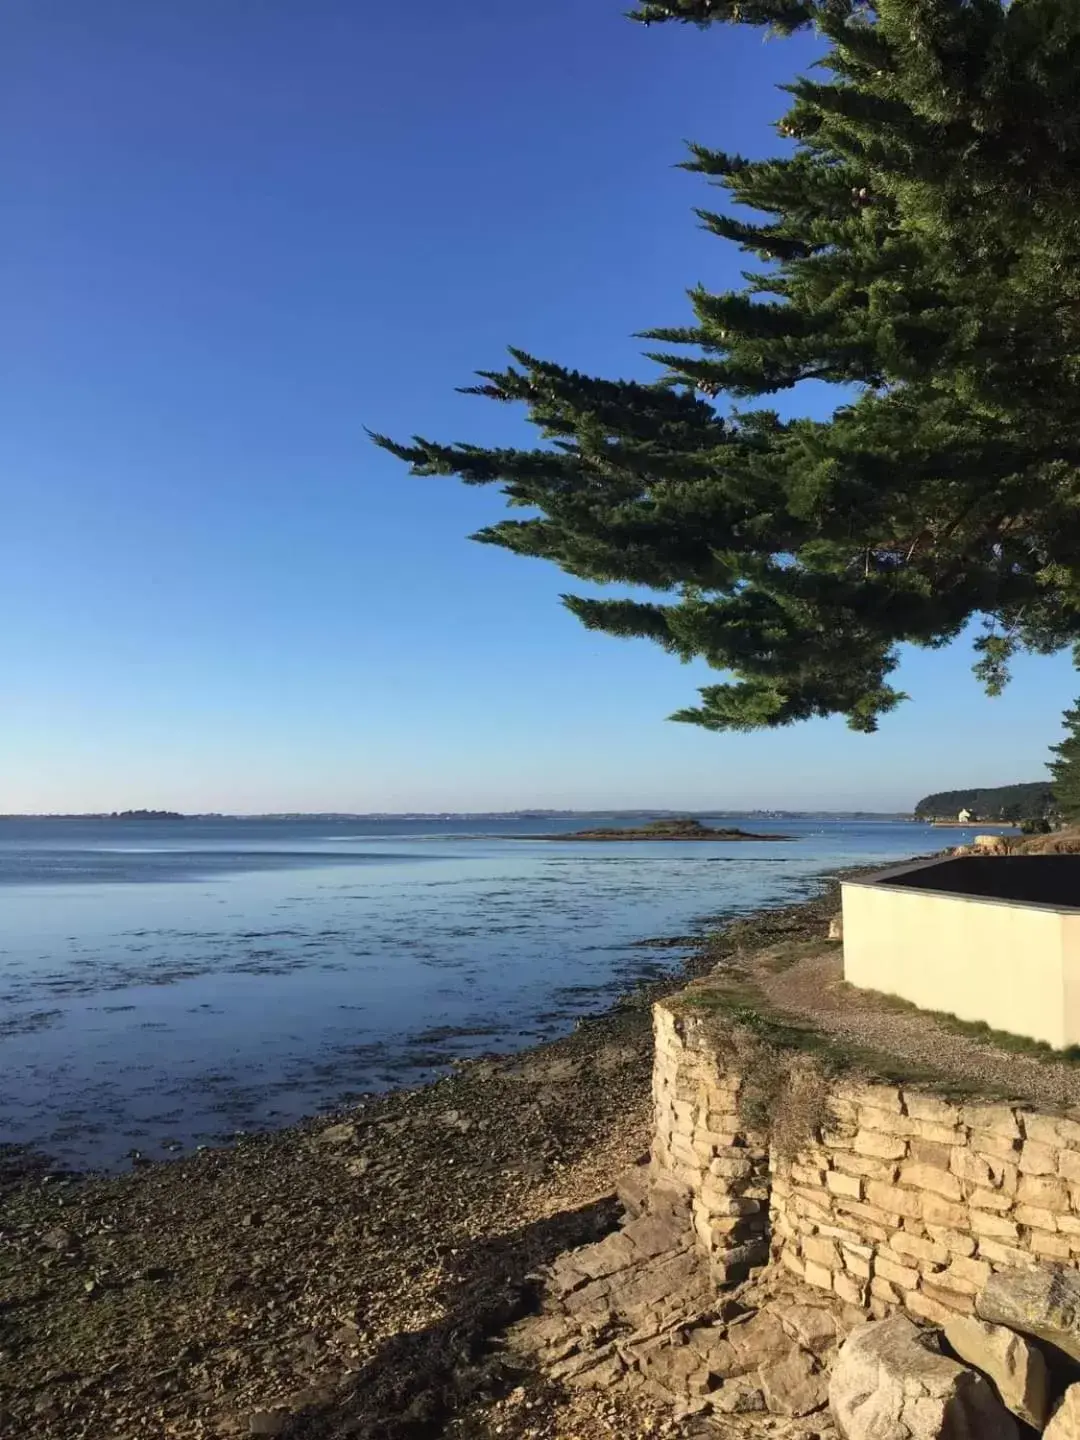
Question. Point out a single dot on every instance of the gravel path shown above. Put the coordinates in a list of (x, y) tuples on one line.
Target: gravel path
[(813, 989)]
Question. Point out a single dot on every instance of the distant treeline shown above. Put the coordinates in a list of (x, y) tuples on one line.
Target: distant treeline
[(996, 802)]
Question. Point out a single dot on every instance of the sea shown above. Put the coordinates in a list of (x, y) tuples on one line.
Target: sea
[(168, 984)]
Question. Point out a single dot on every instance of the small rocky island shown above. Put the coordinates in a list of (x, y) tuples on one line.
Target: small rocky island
[(660, 830)]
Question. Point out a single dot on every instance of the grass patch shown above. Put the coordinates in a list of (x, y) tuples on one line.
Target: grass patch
[(741, 1006), (973, 1029)]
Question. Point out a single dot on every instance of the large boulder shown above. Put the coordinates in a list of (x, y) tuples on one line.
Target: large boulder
[(1065, 1421), (1015, 1365), (891, 1382), (1043, 1302)]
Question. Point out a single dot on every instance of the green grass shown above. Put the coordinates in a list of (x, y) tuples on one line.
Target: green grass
[(740, 1003), (976, 1029)]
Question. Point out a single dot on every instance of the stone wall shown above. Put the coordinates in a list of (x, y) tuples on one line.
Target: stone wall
[(702, 1146), (898, 1199)]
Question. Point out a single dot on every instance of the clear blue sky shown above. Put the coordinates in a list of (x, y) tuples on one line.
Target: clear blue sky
[(237, 231)]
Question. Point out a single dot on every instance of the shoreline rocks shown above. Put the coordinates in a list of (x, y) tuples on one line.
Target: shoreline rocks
[(892, 1382), (1016, 1367), (1040, 1301)]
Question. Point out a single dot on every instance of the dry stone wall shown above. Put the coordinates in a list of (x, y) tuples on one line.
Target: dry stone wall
[(702, 1146), (899, 1200)]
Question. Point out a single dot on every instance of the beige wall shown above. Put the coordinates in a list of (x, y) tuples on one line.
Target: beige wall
[(1013, 966)]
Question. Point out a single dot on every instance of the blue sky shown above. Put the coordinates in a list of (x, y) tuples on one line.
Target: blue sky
[(238, 231)]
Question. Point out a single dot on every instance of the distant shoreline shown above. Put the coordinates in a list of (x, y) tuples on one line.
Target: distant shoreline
[(324, 816)]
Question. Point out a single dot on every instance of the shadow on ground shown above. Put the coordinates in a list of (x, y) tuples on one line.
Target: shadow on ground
[(419, 1379)]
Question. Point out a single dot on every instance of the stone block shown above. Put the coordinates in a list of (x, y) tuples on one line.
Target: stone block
[(841, 1109), (957, 1283), (955, 1241), (999, 1147), (794, 1385), (730, 1266), (1033, 1215), (882, 1290), (998, 1120), (919, 1248), (719, 1203), (900, 1275), (848, 1185), (782, 1227), (843, 1233), (880, 1147), (879, 1097), (1065, 1421), (1046, 1191), (868, 1169), (930, 1177), (936, 1211), (1043, 1303), (964, 1271), (813, 1205), (685, 1113), (1014, 1365), (960, 1302), (928, 1308), (890, 1380), (856, 1264), (1037, 1159), (818, 1275), (975, 1169), (872, 1223), (808, 1175), (943, 1134), (1069, 1165), (729, 1167), (791, 1260), (1049, 1247), (684, 1156), (990, 1200), (923, 1106), (838, 1139), (851, 1289), (998, 1227), (1056, 1130), (887, 1122), (1006, 1175), (821, 1250), (716, 1229), (893, 1200), (1001, 1255), (929, 1152), (1069, 1224)]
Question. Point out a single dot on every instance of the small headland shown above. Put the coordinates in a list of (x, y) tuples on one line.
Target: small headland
[(659, 830)]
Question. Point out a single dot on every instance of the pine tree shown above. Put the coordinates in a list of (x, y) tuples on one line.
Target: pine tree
[(920, 243), (1066, 768)]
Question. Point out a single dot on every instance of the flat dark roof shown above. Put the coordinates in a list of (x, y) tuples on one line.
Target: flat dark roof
[(1049, 881)]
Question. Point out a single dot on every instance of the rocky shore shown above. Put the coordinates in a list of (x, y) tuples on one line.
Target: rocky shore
[(347, 1276)]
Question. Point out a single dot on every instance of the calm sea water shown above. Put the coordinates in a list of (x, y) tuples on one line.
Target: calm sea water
[(168, 984)]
